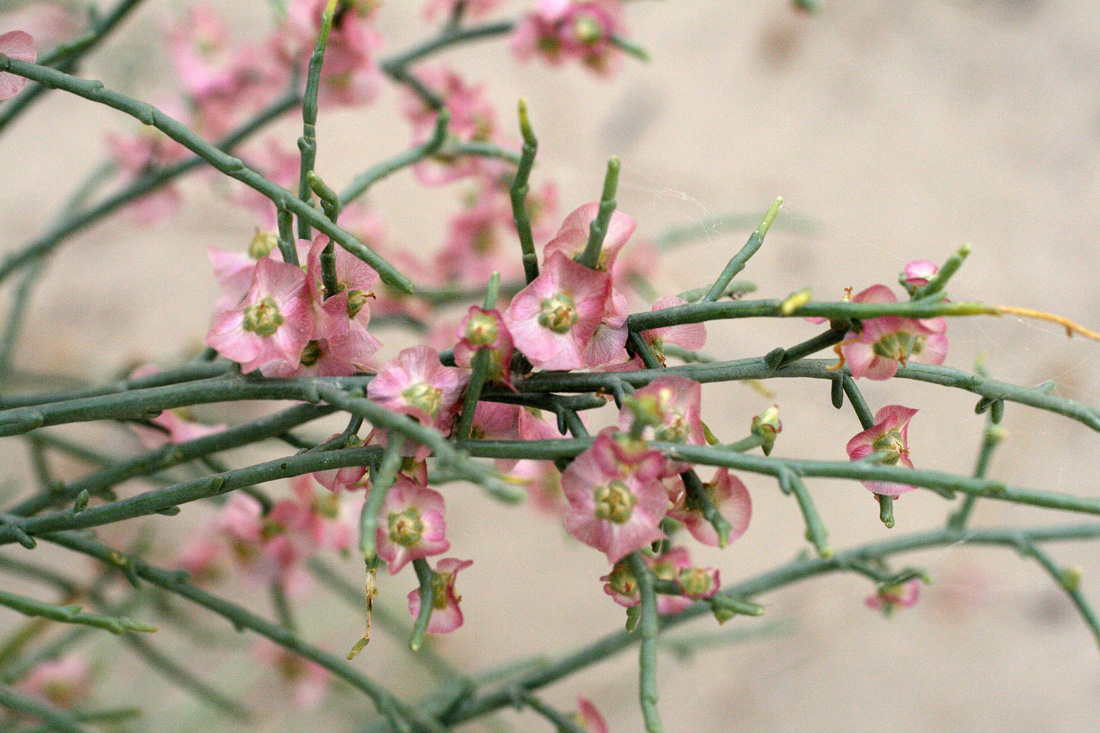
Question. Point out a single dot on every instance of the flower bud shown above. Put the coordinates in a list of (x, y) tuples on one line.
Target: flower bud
[(262, 244), (767, 425)]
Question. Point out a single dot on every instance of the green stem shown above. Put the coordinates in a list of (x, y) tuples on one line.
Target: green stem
[(991, 437), (175, 454), (936, 285), (1068, 580), (361, 183), (816, 532), (770, 466), (757, 368), (71, 614), (697, 498), (425, 435), (710, 311), (189, 372), (424, 575), (242, 618), (792, 572), (307, 143), (598, 229), (381, 481), (220, 160), (519, 190), (562, 722), (143, 186), (58, 720), (738, 261), (649, 628), (169, 497), (67, 56), (445, 40)]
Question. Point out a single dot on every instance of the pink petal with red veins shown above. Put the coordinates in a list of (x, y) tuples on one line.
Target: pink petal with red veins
[(876, 294), (895, 416), (18, 45)]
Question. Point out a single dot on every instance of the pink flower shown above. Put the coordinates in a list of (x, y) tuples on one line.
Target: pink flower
[(446, 614), (350, 74), (272, 547), (555, 317), (698, 583), (890, 597), (482, 329), (472, 119), (559, 30), (572, 237), (884, 342), (671, 406), (417, 384), (668, 567), (499, 421), (481, 238), (307, 681), (138, 154), (334, 480), (918, 273), (889, 434), (17, 45), (201, 558), (615, 506), (272, 323), (410, 525), (728, 495), (176, 426), (689, 336), (543, 482), (65, 682), (278, 164), (589, 718)]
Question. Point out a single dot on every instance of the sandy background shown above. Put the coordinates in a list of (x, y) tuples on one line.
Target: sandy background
[(901, 130)]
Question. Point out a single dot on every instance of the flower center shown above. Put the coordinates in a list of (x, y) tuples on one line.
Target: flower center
[(696, 582), (892, 443), (262, 244), (424, 396), (439, 591), (263, 318), (356, 300), (405, 527), (481, 329), (615, 502), (899, 346), (311, 354), (675, 429), (587, 29), (559, 313)]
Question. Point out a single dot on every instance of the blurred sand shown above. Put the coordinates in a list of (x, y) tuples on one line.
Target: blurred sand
[(902, 130)]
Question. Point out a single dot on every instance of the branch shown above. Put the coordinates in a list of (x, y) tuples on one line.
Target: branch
[(221, 161)]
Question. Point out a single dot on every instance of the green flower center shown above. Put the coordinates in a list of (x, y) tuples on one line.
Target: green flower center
[(675, 429), (424, 396), (587, 29), (695, 581), (559, 313), (439, 590), (263, 318), (615, 502), (311, 354), (481, 329), (356, 300), (899, 346), (262, 244), (405, 527), (892, 443)]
